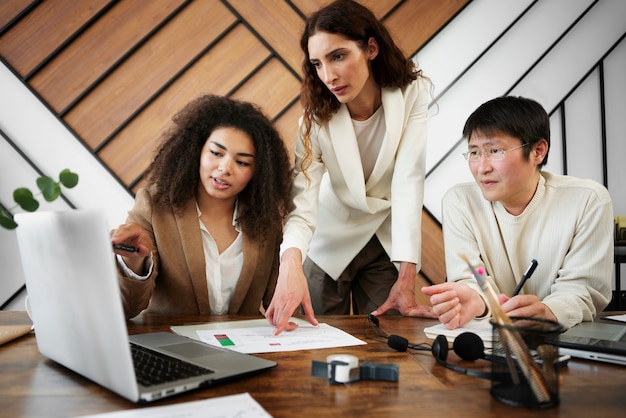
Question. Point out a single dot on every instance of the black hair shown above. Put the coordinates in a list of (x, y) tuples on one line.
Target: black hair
[(515, 116)]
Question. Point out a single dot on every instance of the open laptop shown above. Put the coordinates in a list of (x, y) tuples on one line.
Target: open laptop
[(77, 312), (597, 341)]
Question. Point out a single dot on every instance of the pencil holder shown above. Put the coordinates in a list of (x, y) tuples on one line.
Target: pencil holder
[(521, 352)]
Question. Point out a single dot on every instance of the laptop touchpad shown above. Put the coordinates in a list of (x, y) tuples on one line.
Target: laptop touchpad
[(190, 349)]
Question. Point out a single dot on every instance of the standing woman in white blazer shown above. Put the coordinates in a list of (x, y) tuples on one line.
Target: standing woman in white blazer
[(358, 175)]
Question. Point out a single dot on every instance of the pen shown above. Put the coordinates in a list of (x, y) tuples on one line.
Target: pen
[(529, 272), (125, 247)]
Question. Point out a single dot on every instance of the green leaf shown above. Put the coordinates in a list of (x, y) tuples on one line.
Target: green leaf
[(49, 188), (24, 198), (6, 221), (68, 179)]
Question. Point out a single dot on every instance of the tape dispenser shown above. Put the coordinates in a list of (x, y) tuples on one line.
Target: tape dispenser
[(344, 368)]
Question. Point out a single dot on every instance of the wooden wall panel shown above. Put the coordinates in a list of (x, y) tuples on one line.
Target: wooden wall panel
[(379, 7), (154, 64), (11, 10), (45, 29), (433, 260), (271, 88), (412, 14), (278, 24), (287, 125), (217, 72), (78, 66)]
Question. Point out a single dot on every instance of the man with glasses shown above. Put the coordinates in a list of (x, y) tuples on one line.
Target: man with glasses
[(513, 213)]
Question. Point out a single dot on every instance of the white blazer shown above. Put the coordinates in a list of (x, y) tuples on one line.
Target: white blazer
[(336, 212)]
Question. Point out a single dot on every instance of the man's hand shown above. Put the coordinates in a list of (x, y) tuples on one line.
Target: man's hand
[(455, 304), (527, 306)]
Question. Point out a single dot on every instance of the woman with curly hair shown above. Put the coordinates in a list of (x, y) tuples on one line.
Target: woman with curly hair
[(207, 227), (358, 175)]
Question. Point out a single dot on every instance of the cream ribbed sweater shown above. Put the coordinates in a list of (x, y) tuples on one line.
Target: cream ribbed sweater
[(567, 226)]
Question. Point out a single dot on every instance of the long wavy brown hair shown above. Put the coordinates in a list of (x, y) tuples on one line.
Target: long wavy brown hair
[(175, 169), (357, 23)]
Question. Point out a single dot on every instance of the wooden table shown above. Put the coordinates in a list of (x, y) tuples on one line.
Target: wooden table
[(33, 386)]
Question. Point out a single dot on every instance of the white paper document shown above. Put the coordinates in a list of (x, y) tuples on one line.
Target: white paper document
[(620, 318), (234, 406), (260, 339), (252, 336)]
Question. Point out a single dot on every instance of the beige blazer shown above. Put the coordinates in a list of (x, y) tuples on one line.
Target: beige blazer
[(337, 212), (178, 284)]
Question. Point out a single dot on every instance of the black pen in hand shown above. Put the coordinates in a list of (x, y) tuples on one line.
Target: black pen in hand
[(125, 247), (529, 272)]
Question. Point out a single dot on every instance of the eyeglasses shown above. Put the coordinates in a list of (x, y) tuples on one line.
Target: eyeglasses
[(491, 154)]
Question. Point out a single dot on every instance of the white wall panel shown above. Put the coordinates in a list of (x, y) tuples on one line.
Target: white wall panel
[(555, 156), (615, 71), (52, 148), (446, 56), (515, 56), (16, 172), (497, 70), (577, 53), (583, 128), (454, 167)]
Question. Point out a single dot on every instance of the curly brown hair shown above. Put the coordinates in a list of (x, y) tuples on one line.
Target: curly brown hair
[(391, 68), (175, 169)]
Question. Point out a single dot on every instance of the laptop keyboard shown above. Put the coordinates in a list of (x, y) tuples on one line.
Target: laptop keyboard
[(153, 368)]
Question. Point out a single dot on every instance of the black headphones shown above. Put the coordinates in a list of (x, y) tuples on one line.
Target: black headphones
[(467, 345)]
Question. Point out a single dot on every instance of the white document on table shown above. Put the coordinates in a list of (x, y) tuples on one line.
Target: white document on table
[(620, 318), (256, 336), (481, 327), (234, 406)]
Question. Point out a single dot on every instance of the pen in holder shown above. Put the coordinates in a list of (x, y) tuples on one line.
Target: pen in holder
[(534, 372), (526, 374)]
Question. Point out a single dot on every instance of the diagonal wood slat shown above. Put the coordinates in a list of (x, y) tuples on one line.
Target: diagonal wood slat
[(218, 72), (156, 62), (270, 87), (379, 7), (11, 10), (411, 28), (278, 24), (43, 30), (72, 71)]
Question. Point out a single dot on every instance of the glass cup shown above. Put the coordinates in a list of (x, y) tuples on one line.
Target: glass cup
[(526, 355)]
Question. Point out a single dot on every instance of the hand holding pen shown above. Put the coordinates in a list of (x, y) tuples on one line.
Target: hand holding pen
[(133, 243), (529, 272), (131, 240)]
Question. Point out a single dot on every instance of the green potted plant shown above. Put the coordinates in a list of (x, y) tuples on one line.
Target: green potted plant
[(48, 188)]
